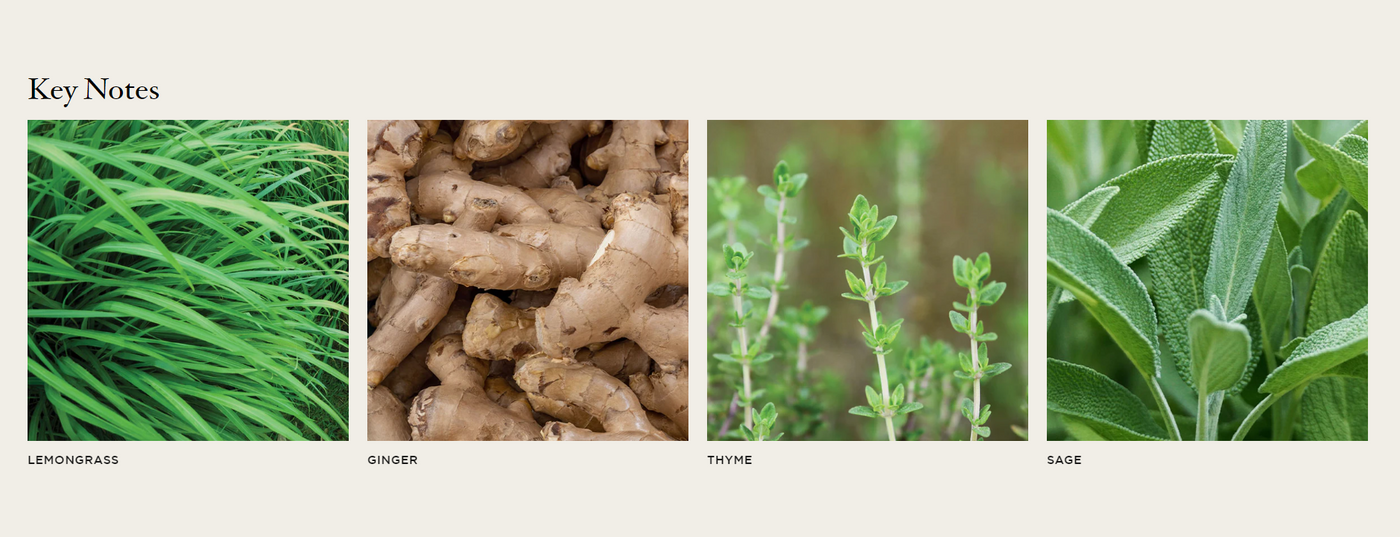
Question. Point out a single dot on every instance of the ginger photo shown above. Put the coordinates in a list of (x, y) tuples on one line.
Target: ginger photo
[(527, 280), (867, 280)]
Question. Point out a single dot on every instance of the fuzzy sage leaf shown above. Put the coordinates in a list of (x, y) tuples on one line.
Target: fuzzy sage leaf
[(1247, 209), (1084, 265)]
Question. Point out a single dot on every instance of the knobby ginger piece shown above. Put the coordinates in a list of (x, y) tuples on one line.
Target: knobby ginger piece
[(590, 390), (639, 255), (460, 408), (629, 157)]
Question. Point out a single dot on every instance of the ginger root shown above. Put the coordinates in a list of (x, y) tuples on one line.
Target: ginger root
[(460, 409), (639, 255), (393, 148), (512, 301), (590, 390), (629, 157)]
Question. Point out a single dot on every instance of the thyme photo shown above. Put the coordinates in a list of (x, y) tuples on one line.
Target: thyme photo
[(854, 289), (1207, 280), (188, 280)]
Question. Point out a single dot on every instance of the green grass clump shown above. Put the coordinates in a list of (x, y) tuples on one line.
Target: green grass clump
[(188, 280)]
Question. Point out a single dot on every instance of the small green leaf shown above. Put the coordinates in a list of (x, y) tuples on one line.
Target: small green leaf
[(763, 358), (896, 287), (908, 407), (873, 398), (960, 271), (959, 322), (883, 228), (1098, 408), (864, 411), (993, 370), (769, 414), (781, 172), (991, 293), (897, 398), (853, 296), (757, 292), (1219, 353), (726, 358), (718, 289), (1332, 167), (798, 181), (857, 285), (767, 191), (859, 207), (1324, 349)]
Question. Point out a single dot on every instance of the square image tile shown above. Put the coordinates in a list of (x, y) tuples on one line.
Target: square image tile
[(527, 280), (1243, 244), (867, 280), (188, 280)]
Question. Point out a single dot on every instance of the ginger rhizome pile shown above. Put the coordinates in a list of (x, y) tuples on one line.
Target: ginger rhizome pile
[(527, 280)]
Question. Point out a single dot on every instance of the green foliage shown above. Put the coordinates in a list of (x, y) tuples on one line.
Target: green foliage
[(1239, 269), (976, 366), (1247, 207), (1151, 199), (1343, 165), (795, 327), (859, 244), (1100, 408), (763, 421), (1084, 264), (1219, 353), (187, 280), (1327, 348)]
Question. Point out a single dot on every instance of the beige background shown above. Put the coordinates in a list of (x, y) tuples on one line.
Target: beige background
[(705, 60)]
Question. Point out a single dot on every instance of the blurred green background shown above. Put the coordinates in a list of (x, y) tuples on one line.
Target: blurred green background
[(1081, 155), (958, 187)]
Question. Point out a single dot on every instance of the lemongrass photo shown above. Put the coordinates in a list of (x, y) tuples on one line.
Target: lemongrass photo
[(187, 280)]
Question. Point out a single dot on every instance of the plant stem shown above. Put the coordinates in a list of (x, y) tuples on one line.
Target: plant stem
[(1201, 415), (1208, 415), (779, 250), (879, 351), (733, 409), (976, 374), (1295, 407), (1172, 431), (1254, 416), (744, 360), (1214, 402)]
